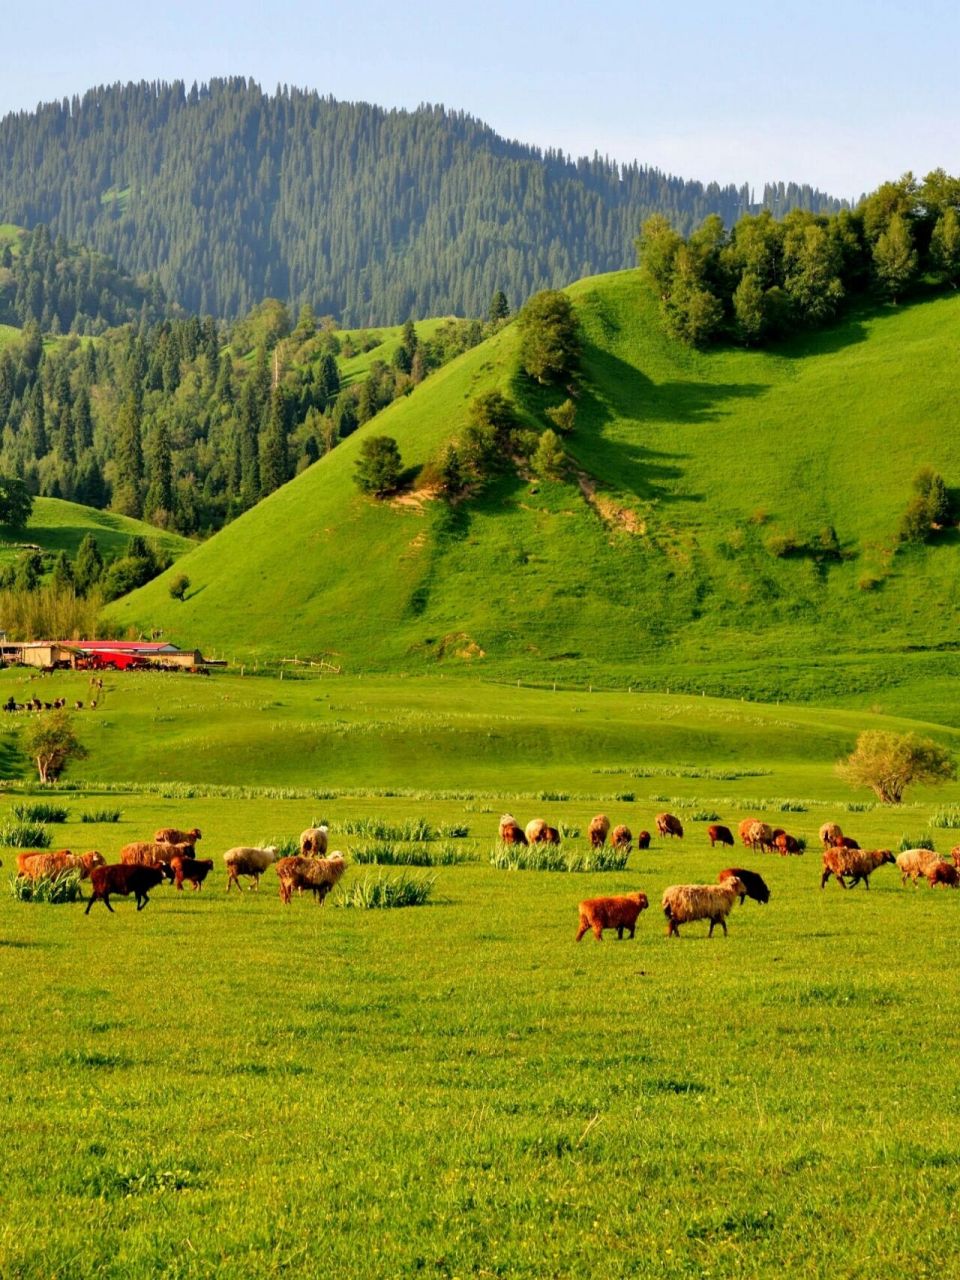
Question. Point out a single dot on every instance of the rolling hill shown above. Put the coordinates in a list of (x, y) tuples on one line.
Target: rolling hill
[(729, 522), (56, 525)]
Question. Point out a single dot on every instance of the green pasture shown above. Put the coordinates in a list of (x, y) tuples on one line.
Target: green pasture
[(56, 525)]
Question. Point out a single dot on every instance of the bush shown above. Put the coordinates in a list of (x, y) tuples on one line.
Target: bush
[(378, 892), (179, 586), (39, 812)]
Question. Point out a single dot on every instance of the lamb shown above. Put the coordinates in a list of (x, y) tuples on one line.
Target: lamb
[(860, 864), (643, 840), (319, 875), (146, 852), (753, 884), (246, 860), (668, 825), (597, 831), (719, 835), (683, 903), (611, 913), (916, 863), (830, 833), (510, 831), (944, 873), (193, 869), (34, 866), (313, 841), (172, 835), (622, 837)]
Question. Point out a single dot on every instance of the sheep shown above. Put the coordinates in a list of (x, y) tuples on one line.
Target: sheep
[(916, 863), (597, 831), (845, 842), (719, 835), (643, 840), (683, 903), (743, 831), (753, 884), (668, 825), (786, 844), (246, 860), (126, 878), (622, 837), (147, 852), (760, 836), (858, 863), (172, 835), (955, 855), (611, 913), (944, 873), (510, 831), (193, 869), (34, 866), (534, 830), (313, 841), (829, 834), (550, 836), (319, 875)]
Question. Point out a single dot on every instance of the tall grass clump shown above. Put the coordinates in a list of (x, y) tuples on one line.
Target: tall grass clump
[(24, 835), (391, 855), (946, 816), (908, 841), (547, 857), (286, 846), (39, 812), (380, 891), (52, 890), (703, 815), (415, 829), (101, 815)]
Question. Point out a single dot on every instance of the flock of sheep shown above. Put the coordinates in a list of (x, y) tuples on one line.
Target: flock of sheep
[(171, 856)]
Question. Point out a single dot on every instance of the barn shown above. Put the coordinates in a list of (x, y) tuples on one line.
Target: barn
[(107, 655)]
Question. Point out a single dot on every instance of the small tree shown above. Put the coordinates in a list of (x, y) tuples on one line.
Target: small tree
[(50, 742), (563, 416), (179, 586), (499, 307), (450, 472), (379, 466), (887, 763), (16, 502), (549, 336), (549, 457)]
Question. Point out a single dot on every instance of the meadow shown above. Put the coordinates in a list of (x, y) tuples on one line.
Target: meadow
[(221, 1086)]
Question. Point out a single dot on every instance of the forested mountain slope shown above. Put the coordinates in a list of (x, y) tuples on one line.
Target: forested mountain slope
[(734, 509), (231, 195)]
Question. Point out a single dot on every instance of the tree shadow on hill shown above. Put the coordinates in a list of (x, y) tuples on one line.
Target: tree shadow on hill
[(11, 761), (848, 332)]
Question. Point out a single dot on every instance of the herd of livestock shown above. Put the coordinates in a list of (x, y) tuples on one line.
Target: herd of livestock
[(171, 856)]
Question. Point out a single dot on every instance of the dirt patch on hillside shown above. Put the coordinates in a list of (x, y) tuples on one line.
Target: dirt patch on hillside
[(459, 645), (416, 499), (610, 512)]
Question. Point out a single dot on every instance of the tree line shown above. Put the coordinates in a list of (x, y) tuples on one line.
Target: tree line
[(225, 194), (765, 278)]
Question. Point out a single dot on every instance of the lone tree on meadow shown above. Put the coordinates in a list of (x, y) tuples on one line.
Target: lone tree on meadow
[(179, 587), (887, 763), (379, 466), (16, 502), (50, 742), (549, 337)]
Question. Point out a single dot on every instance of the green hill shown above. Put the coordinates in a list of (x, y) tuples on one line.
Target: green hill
[(705, 558), (56, 525)]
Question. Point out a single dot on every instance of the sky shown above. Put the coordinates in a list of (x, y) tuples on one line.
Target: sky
[(842, 95)]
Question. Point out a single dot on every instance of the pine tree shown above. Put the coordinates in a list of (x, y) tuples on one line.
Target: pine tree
[(274, 453), (128, 455), (499, 307), (89, 565), (158, 504)]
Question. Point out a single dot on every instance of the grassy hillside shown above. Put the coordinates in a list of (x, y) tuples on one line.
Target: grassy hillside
[(56, 525), (668, 575)]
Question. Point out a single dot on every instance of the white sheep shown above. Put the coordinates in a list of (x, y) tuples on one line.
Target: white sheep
[(319, 875), (246, 860), (313, 842), (684, 903), (916, 863)]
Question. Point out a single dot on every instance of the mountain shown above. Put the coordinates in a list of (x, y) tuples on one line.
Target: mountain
[(729, 521), (229, 195)]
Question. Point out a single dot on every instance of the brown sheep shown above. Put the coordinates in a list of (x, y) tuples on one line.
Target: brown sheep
[(955, 855), (126, 878), (550, 835), (916, 863), (173, 835), (25, 857), (193, 869), (845, 842), (38, 865), (944, 873), (622, 837), (829, 834), (856, 863), (611, 913), (146, 852), (598, 830), (760, 836), (643, 840), (668, 825), (719, 835), (319, 875), (786, 844), (510, 831), (744, 831)]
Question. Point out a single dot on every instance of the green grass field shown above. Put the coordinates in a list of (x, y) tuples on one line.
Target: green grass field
[(711, 456), (56, 525)]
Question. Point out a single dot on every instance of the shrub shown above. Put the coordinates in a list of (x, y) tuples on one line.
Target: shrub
[(179, 586), (452, 831), (24, 836), (377, 892), (39, 812), (53, 890)]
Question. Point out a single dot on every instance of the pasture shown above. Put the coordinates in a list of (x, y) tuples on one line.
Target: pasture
[(227, 1087)]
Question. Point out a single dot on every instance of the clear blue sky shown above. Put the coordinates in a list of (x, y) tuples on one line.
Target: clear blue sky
[(839, 94)]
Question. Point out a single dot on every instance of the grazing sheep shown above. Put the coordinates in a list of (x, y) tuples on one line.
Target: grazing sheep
[(830, 833), (760, 836), (598, 829), (126, 878), (611, 913), (753, 884), (510, 830), (944, 873), (313, 842), (668, 825), (845, 842), (643, 840), (319, 875), (534, 830), (172, 835), (246, 860), (35, 866), (193, 869), (622, 837), (857, 863), (684, 903), (147, 852), (786, 844), (550, 836), (743, 831), (719, 835), (955, 855), (916, 863)]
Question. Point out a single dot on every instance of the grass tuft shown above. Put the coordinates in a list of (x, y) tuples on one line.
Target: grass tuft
[(24, 835), (39, 811), (53, 890), (380, 892)]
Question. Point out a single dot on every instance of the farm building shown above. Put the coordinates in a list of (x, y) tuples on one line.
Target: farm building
[(101, 655)]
